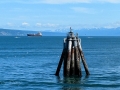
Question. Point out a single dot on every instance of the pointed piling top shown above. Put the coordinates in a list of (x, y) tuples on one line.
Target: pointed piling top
[(70, 34), (70, 29), (76, 35)]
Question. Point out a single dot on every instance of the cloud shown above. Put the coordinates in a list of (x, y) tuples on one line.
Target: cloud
[(46, 25), (48, 1), (38, 25), (83, 10), (10, 24), (64, 1), (72, 1), (77, 1), (51, 25), (58, 1), (112, 25), (109, 1), (25, 24)]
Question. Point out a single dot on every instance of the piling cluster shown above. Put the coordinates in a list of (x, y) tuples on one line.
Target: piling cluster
[(72, 56)]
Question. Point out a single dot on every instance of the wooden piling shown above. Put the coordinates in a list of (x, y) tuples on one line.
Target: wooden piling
[(65, 57), (84, 62), (60, 63), (71, 55), (77, 60), (83, 59), (61, 58), (68, 58), (72, 63)]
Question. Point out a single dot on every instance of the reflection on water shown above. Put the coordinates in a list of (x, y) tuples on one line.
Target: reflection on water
[(72, 83), (72, 80)]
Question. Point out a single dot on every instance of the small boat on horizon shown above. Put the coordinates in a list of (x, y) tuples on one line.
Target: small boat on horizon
[(37, 34)]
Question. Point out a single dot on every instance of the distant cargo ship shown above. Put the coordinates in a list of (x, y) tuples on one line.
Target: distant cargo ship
[(37, 34)]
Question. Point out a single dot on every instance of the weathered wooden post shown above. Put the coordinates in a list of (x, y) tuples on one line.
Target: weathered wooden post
[(71, 55)]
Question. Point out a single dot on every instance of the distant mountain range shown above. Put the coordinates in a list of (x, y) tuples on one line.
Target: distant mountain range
[(9, 32), (81, 32), (99, 32)]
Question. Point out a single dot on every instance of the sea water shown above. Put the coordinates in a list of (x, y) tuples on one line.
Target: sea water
[(29, 63)]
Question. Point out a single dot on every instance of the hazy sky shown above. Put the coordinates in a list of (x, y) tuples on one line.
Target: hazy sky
[(59, 14)]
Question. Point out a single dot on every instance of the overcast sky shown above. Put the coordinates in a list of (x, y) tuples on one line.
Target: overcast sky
[(59, 14)]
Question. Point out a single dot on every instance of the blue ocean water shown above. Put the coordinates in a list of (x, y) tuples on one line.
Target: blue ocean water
[(29, 63)]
